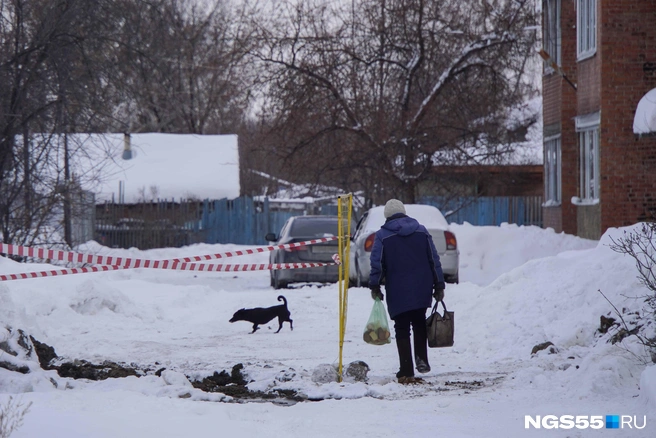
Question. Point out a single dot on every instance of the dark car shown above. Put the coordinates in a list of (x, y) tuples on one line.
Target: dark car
[(300, 229)]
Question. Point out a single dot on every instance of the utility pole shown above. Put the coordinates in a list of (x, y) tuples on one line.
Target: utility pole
[(27, 175), (67, 194)]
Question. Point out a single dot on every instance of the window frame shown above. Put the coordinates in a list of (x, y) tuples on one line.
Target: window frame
[(589, 184), (552, 171), (586, 29), (550, 25)]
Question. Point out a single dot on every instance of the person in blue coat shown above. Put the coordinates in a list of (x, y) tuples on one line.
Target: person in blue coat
[(404, 258)]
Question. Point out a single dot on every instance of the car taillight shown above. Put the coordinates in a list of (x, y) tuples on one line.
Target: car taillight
[(296, 248), (450, 238), (369, 243)]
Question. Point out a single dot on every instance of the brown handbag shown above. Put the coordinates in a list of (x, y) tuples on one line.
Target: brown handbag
[(440, 328)]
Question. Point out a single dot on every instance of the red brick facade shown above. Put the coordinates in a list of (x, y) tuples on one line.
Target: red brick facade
[(612, 81)]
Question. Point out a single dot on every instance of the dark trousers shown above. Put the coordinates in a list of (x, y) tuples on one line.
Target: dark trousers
[(415, 318), (402, 323)]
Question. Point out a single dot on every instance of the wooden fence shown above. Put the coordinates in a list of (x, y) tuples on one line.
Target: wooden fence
[(148, 225), (243, 221)]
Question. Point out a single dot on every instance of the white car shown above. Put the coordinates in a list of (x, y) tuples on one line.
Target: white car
[(427, 215)]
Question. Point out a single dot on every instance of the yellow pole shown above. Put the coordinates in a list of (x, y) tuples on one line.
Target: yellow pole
[(343, 248)]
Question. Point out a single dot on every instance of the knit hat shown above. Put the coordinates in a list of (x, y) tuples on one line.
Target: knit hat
[(393, 207)]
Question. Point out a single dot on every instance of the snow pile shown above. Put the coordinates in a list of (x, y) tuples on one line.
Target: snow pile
[(648, 385), (486, 252), (644, 121)]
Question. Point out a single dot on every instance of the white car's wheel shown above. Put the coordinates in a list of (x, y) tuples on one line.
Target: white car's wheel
[(360, 282), (454, 279)]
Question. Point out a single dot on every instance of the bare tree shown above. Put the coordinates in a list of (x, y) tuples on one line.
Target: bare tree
[(12, 415), (181, 64), (640, 244), (80, 66), (53, 79), (381, 91)]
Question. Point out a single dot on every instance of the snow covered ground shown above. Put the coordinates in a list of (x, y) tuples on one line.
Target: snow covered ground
[(520, 286)]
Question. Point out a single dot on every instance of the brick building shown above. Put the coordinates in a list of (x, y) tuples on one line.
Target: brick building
[(598, 172)]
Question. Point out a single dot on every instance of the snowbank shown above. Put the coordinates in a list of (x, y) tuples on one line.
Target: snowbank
[(648, 386), (486, 252), (644, 120)]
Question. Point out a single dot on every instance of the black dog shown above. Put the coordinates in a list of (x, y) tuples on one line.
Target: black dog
[(262, 315)]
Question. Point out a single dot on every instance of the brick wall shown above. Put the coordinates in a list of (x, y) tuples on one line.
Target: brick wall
[(552, 217), (588, 100), (551, 98), (613, 81), (628, 162), (569, 145), (588, 94), (559, 106)]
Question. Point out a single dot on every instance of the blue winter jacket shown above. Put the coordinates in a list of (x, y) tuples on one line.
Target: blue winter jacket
[(405, 257)]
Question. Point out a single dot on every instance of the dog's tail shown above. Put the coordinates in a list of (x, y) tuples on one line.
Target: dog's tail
[(283, 299)]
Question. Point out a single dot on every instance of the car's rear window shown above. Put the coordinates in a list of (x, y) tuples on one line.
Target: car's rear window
[(314, 228), (428, 216)]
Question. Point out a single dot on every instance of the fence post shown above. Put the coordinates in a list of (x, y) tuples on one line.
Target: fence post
[(267, 218)]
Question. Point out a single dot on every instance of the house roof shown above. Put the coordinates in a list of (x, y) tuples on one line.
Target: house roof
[(492, 169), (162, 166)]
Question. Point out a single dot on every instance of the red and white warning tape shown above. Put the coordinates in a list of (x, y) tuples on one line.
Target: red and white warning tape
[(52, 273), (256, 250), (109, 263), (180, 267), (127, 262)]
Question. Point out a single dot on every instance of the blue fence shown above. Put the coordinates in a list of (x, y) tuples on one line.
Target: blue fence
[(241, 221), (245, 221), (520, 210)]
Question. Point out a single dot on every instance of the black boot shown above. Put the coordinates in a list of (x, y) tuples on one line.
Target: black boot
[(405, 358), (420, 338)]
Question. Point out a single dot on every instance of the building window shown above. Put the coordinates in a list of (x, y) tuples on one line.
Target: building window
[(589, 171), (586, 28), (552, 181), (551, 31)]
